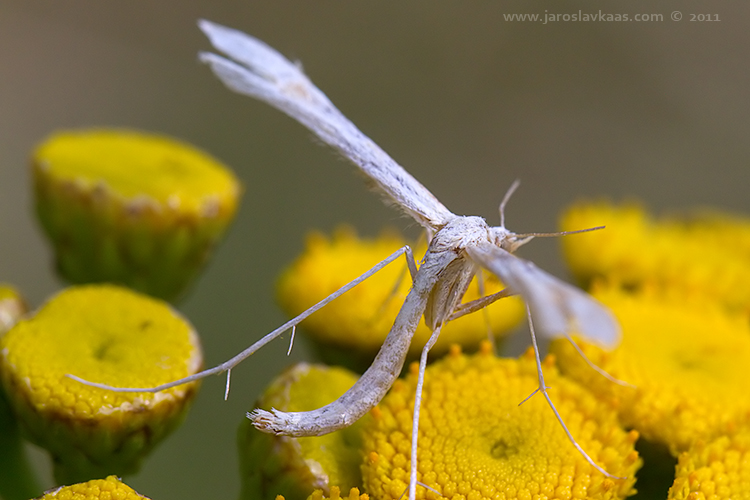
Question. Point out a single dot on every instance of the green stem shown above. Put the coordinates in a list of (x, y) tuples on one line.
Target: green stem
[(17, 479)]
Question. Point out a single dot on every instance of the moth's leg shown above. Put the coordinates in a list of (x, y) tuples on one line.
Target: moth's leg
[(379, 377), (410, 262), (485, 312), (411, 266), (415, 419), (365, 393), (543, 389), (596, 368), (475, 305), (231, 363)]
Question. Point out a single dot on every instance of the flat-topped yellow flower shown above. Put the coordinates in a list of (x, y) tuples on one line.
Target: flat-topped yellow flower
[(715, 470), (706, 254), (97, 489), (105, 334), (128, 207), (686, 356), (359, 320), (476, 442), (293, 467), (12, 307)]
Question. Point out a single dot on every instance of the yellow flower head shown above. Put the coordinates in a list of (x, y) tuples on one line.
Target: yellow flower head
[(706, 255), (98, 489), (292, 466), (133, 208), (476, 442), (335, 494), (105, 334), (686, 357), (715, 470), (136, 164), (361, 318)]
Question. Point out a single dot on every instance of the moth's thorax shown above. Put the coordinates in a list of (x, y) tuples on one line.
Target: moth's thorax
[(456, 269), (460, 233)]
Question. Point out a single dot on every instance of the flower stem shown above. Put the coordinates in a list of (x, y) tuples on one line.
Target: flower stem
[(17, 479)]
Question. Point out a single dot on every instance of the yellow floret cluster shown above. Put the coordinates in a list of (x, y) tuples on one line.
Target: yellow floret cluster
[(715, 470), (105, 334), (109, 335), (707, 254), (133, 164), (335, 494), (687, 359), (476, 442), (362, 317), (110, 488)]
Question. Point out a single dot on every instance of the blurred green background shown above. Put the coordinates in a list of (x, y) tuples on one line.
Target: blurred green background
[(462, 98)]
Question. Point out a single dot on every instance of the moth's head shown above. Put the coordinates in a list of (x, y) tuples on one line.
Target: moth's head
[(508, 240)]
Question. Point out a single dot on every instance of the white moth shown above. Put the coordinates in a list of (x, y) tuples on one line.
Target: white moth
[(458, 247)]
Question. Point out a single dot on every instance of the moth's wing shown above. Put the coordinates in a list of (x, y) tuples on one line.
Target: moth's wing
[(556, 307), (259, 71)]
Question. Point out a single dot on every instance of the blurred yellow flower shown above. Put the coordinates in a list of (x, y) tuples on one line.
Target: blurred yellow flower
[(98, 489), (139, 209), (707, 254), (687, 358), (476, 442), (715, 470), (360, 319)]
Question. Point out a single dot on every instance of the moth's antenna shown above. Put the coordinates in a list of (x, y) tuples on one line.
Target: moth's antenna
[(559, 233), (507, 196)]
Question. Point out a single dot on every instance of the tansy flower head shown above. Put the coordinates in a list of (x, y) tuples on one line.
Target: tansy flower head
[(476, 442), (12, 307), (706, 255), (360, 319), (292, 466), (715, 470), (128, 207), (98, 489), (686, 357), (104, 334), (335, 494)]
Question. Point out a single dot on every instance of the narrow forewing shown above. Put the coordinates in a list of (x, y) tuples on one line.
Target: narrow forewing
[(259, 71)]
